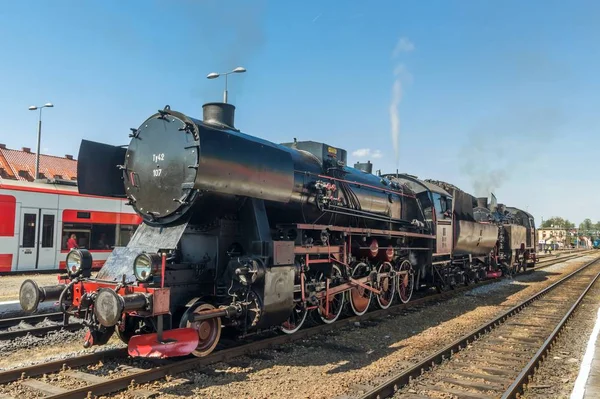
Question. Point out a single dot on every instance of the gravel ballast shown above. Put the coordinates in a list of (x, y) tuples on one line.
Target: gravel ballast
[(347, 361), (354, 359)]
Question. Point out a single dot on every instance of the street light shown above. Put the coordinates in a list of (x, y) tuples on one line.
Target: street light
[(214, 75), (39, 137)]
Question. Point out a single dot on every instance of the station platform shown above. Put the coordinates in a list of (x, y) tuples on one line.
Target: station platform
[(587, 385)]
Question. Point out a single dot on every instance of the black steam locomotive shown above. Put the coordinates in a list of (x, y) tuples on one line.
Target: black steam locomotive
[(243, 233)]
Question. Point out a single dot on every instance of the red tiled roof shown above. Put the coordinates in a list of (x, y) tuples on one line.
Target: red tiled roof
[(14, 161)]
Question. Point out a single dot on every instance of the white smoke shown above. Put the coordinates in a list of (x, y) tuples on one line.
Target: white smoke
[(400, 72), (403, 45), (394, 117)]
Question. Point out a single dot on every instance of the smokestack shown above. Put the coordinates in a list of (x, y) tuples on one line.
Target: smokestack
[(482, 202), (365, 167), (221, 115)]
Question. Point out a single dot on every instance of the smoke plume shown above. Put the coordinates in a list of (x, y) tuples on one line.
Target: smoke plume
[(234, 34), (502, 147), (400, 72)]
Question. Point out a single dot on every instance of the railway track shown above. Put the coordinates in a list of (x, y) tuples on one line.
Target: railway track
[(92, 384), (497, 359), (39, 324)]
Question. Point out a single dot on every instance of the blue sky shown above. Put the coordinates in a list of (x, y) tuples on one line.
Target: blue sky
[(487, 95)]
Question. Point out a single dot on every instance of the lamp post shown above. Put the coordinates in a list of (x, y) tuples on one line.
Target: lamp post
[(39, 137), (214, 75)]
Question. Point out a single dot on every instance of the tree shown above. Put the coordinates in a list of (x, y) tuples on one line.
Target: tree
[(586, 225), (558, 223)]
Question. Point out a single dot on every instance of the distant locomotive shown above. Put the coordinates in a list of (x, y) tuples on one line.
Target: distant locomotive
[(242, 233)]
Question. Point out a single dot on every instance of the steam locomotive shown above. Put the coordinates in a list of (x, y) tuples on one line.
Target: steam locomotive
[(249, 235)]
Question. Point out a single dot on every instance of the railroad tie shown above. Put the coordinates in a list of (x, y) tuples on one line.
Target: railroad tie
[(46, 389), (457, 392), (91, 378), (143, 394)]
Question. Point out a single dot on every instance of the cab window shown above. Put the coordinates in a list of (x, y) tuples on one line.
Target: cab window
[(426, 204), (440, 203)]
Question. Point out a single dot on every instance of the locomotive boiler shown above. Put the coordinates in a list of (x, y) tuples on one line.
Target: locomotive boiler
[(237, 232)]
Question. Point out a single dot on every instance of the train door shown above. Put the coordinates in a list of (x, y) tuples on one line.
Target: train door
[(444, 232), (47, 244), (28, 235), (37, 246)]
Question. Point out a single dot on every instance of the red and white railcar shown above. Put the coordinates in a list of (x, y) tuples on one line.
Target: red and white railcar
[(36, 219)]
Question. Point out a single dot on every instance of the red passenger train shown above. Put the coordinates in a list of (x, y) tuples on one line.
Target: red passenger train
[(37, 218)]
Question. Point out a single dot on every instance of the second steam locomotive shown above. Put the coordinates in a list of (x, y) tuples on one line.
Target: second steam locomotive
[(249, 235)]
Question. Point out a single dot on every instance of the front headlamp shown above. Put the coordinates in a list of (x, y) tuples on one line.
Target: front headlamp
[(145, 266), (79, 261)]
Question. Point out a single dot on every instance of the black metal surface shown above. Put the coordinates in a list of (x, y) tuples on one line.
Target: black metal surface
[(98, 170), (222, 115), (238, 164), (463, 206), (160, 166), (326, 154), (176, 163)]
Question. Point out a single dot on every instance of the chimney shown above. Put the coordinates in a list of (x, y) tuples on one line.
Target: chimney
[(482, 202), (365, 167), (3, 146), (220, 115), (69, 156), (27, 150)]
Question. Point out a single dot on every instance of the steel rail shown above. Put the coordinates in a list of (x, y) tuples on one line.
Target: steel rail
[(389, 387), (36, 318), (54, 366), (158, 372), (5, 335), (527, 372)]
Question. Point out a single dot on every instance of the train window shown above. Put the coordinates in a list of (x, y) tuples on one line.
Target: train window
[(29, 226), (440, 205), (82, 234), (103, 236), (425, 201), (47, 231), (125, 234)]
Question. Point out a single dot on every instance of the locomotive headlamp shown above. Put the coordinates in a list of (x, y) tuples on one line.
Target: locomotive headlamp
[(145, 266), (79, 261)]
